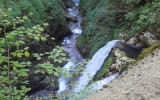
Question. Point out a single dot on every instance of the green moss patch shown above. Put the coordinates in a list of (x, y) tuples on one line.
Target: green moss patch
[(104, 68), (146, 52), (38, 11)]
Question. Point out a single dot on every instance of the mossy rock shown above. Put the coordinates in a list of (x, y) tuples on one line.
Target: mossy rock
[(107, 63), (146, 52)]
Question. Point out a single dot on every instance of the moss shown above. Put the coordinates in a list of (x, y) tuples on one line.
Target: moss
[(42, 11), (104, 68), (146, 52)]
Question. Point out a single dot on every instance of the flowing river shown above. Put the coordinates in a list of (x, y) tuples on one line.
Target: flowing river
[(69, 44), (81, 86)]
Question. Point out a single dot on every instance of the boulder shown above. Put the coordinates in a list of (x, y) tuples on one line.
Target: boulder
[(68, 3), (130, 50), (71, 18), (62, 31), (132, 41), (122, 61), (147, 39)]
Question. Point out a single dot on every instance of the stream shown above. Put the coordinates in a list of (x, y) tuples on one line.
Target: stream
[(69, 44), (81, 86)]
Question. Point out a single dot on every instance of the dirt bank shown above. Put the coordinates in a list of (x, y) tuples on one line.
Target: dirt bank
[(140, 82)]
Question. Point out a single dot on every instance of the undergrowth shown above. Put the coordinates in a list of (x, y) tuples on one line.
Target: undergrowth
[(105, 19)]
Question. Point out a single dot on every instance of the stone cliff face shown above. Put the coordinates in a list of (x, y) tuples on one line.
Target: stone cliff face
[(39, 12)]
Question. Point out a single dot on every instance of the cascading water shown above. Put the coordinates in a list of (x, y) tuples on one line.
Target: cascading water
[(70, 46), (94, 65), (63, 81)]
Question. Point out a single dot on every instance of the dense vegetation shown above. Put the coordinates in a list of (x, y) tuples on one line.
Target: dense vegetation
[(30, 57), (28, 29), (38, 11), (105, 19)]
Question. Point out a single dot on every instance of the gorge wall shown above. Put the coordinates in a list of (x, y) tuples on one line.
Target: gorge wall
[(117, 19), (38, 12)]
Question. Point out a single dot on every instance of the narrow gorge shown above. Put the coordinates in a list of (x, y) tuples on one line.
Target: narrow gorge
[(78, 49)]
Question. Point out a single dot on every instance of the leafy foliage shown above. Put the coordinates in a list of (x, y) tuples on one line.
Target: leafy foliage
[(105, 19), (14, 71), (38, 11)]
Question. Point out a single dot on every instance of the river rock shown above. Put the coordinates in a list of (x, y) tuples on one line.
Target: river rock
[(71, 18), (61, 32), (147, 39), (130, 50), (68, 3), (132, 41), (121, 61)]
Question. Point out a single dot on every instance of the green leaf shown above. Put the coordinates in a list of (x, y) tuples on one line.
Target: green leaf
[(37, 31), (14, 25), (39, 58), (19, 55), (43, 38), (25, 17), (23, 42), (17, 44), (36, 38), (1, 61), (18, 97), (56, 73), (26, 48), (41, 29), (53, 38), (2, 41), (47, 53), (2, 50), (11, 37), (9, 9), (24, 74), (5, 15), (21, 20), (30, 13), (45, 24), (14, 68), (37, 71), (27, 54), (3, 72), (29, 63)]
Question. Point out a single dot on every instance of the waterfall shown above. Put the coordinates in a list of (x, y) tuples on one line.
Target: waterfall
[(69, 44), (94, 65)]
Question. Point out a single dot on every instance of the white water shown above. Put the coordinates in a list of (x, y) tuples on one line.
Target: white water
[(99, 84), (63, 81), (92, 88), (94, 65), (70, 47), (69, 44)]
